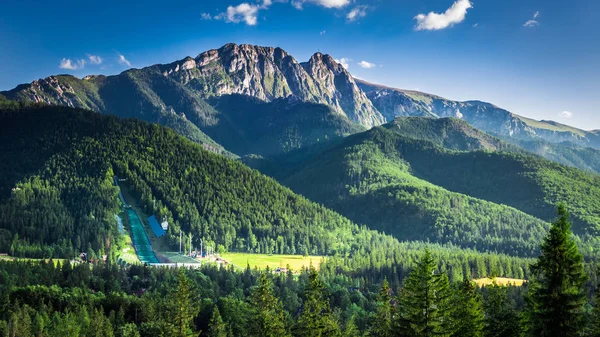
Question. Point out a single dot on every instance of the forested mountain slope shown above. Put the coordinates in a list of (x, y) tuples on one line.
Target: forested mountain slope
[(57, 169), (396, 180), (252, 126), (449, 133), (57, 197)]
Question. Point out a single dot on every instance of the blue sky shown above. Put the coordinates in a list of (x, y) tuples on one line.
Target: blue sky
[(537, 58)]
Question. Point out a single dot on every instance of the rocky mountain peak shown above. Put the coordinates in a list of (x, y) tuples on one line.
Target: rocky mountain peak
[(266, 73)]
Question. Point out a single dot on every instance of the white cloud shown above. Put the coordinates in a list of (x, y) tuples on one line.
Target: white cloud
[(94, 59), (243, 12), (248, 13), (565, 114), (345, 62), (325, 3), (66, 63), (123, 61), (453, 15), (357, 13), (323, 32), (475, 25), (532, 22), (367, 65)]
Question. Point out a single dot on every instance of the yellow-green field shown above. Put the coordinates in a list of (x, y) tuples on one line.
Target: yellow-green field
[(501, 281), (261, 261)]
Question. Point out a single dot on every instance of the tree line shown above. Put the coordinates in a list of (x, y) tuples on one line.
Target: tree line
[(45, 299)]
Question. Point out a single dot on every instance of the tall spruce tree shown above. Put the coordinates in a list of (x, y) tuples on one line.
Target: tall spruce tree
[(469, 314), (501, 317), (426, 307), (316, 319), (267, 318), (351, 330), (382, 322), (595, 314), (557, 292), (185, 306), (216, 326)]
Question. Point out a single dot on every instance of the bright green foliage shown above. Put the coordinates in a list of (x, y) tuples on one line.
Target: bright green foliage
[(426, 307), (501, 320), (557, 289), (267, 319), (469, 314), (185, 306), (129, 330), (216, 327), (67, 198), (351, 330), (373, 178), (422, 186), (382, 325), (316, 318)]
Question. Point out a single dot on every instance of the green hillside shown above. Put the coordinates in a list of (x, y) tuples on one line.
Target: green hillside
[(449, 133), (250, 126), (56, 195), (417, 190)]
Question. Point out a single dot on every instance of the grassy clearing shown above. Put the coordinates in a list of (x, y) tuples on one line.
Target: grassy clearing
[(261, 261), (57, 262), (501, 281), (127, 253), (175, 257), (552, 126)]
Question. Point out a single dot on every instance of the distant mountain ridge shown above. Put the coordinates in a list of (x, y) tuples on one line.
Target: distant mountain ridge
[(184, 95), (178, 88), (392, 102)]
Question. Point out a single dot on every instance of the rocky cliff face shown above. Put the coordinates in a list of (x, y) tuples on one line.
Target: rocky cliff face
[(393, 103), (265, 73), (270, 73), (178, 91)]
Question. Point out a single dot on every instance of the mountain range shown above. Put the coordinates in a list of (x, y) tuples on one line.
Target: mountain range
[(185, 94), (413, 165)]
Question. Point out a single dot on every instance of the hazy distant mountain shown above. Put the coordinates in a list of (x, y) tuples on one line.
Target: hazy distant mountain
[(393, 103)]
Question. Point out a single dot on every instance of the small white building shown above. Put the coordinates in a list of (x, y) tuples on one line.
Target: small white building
[(164, 224)]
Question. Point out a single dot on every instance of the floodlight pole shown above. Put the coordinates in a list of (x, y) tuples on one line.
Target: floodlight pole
[(179, 240), (200, 247)]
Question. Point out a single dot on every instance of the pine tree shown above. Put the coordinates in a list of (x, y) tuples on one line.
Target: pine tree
[(382, 323), (316, 318), (595, 314), (129, 330), (501, 318), (216, 327), (185, 306), (469, 313), (267, 319), (557, 293), (351, 330), (425, 302)]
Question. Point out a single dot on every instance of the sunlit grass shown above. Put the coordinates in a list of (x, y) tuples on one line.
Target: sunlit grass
[(261, 261)]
